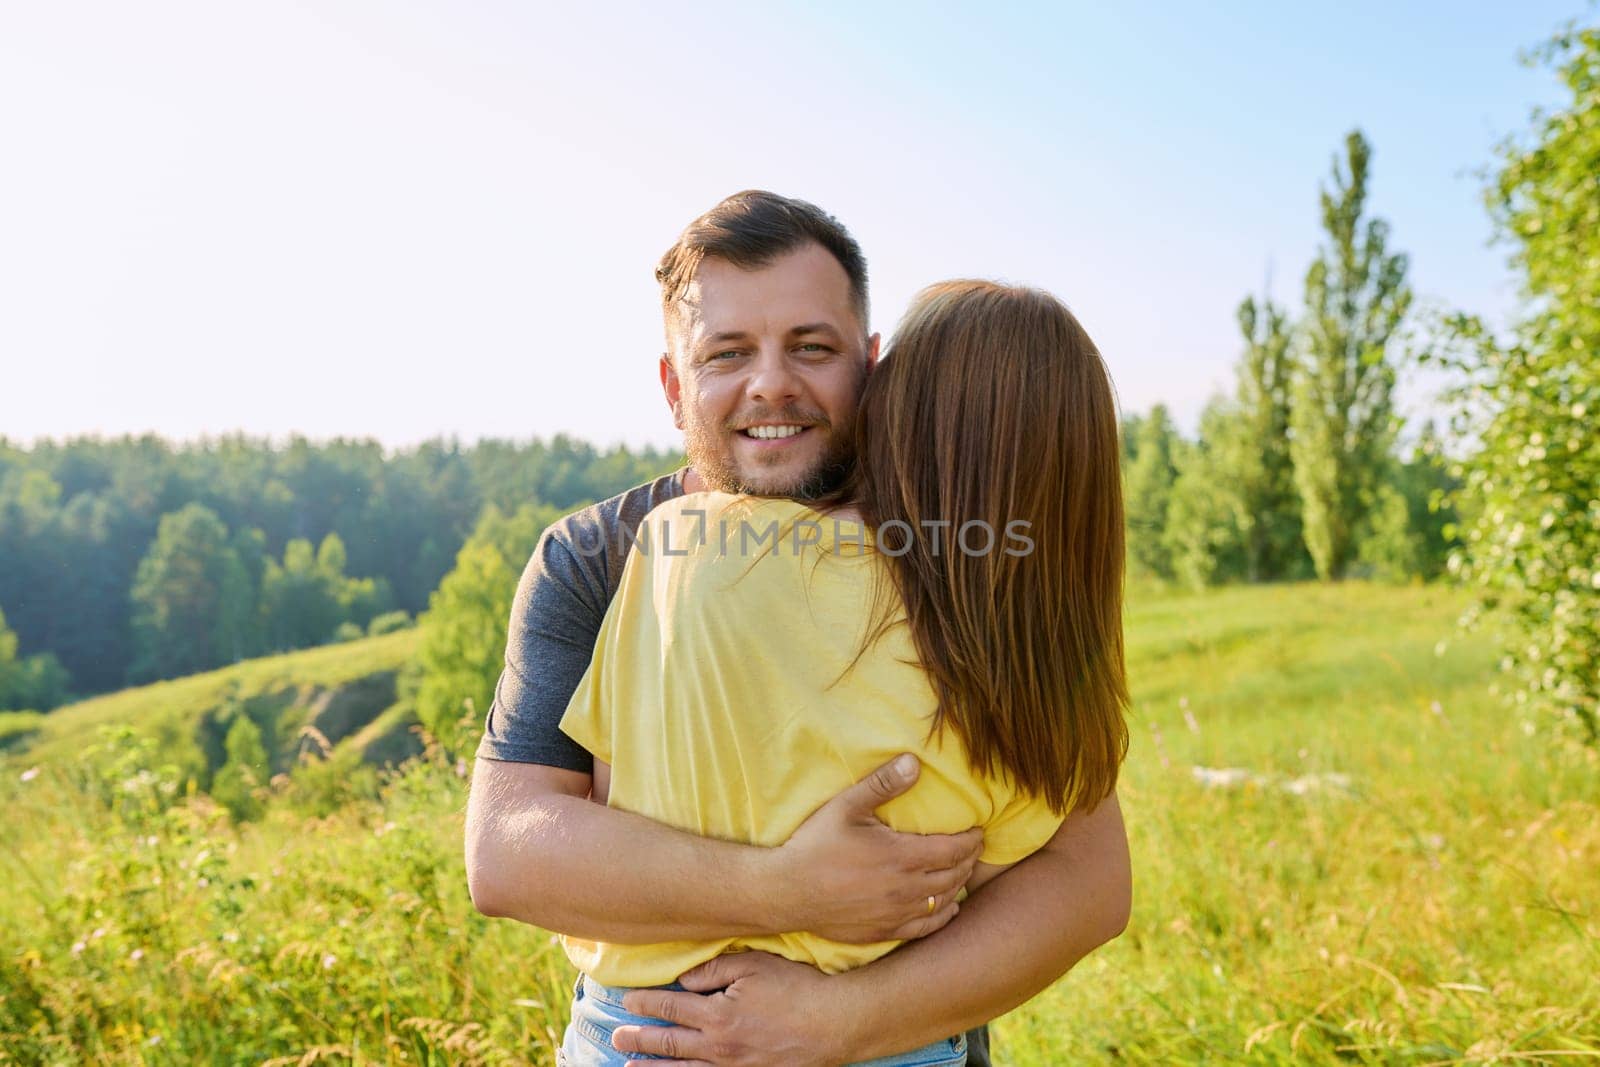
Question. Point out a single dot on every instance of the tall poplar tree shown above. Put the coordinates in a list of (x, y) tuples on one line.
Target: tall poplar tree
[(1342, 415), (1263, 471), (1149, 493)]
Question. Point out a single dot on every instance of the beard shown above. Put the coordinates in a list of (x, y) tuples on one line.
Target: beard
[(710, 453)]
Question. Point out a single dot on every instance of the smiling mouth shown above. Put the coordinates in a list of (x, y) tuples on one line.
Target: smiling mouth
[(772, 433)]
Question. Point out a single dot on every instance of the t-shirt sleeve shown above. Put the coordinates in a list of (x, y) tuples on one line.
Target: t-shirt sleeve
[(586, 720), (1020, 827), (555, 620)]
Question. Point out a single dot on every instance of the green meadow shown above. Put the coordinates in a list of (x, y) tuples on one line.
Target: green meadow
[(1346, 850)]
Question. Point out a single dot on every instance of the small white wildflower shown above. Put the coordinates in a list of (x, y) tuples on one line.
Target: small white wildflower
[(152, 840), (30, 774), (1310, 783), (328, 961), (230, 936), (1221, 777), (205, 854), (78, 947), (155, 1039), (204, 882), (461, 768), (99, 932), (136, 955)]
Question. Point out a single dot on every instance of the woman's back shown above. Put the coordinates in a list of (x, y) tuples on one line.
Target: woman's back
[(727, 694)]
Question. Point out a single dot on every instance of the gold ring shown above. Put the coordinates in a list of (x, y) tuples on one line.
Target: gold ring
[(930, 905)]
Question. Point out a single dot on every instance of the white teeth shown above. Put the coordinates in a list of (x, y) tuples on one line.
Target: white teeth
[(772, 433)]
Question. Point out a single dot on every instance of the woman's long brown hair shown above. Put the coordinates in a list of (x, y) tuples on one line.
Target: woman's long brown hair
[(994, 407)]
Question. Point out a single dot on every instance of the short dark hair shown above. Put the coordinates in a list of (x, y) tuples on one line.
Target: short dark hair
[(750, 230)]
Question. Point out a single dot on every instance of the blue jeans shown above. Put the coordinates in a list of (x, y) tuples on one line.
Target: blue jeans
[(597, 1012)]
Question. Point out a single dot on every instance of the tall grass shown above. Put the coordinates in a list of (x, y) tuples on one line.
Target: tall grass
[(1407, 873), (1374, 863)]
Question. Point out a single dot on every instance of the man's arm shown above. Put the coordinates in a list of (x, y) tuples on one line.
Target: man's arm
[(1013, 938), (540, 851)]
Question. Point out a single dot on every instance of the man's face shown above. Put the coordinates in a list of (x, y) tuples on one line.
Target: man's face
[(765, 372)]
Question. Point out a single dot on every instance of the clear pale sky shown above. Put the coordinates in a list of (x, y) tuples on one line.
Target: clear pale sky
[(402, 220)]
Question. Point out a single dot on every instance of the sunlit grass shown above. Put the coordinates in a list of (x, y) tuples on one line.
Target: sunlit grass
[(1441, 908), (1405, 873)]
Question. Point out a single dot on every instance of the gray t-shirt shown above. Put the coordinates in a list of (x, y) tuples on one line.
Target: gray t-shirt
[(555, 621)]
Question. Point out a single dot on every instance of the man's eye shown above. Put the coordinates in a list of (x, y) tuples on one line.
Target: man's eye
[(728, 354), (812, 346)]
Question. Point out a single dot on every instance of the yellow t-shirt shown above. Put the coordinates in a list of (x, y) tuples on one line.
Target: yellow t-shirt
[(709, 695)]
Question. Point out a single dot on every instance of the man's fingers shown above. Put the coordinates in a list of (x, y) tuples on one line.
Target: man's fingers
[(942, 852), (676, 1043), (685, 1009), (883, 784), (927, 924), (720, 972), (945, 897)]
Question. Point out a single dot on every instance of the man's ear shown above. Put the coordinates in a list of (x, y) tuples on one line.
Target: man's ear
[(672, 388), (872, 350)]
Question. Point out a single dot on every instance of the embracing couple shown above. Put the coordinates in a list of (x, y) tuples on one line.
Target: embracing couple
[(769, 723)]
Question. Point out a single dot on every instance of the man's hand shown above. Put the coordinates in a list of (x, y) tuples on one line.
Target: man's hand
[(1015, 936), (540, 851), (850, 878), (747, 1009)]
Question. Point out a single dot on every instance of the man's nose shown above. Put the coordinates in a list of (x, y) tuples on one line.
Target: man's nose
[(772, 378)]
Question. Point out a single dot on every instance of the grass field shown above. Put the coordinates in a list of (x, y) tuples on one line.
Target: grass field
[(1346, 850)]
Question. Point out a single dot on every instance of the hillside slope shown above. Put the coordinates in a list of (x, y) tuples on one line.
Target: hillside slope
[(337, 690)]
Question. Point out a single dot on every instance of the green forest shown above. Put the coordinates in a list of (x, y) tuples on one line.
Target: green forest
[(132, 560)]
